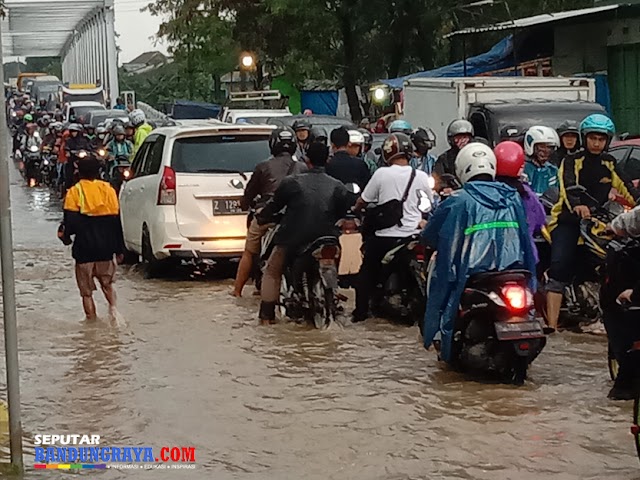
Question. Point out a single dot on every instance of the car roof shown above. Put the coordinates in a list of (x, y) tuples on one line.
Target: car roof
[(86, 104), (540, 105), (635, 142), (201, 127)]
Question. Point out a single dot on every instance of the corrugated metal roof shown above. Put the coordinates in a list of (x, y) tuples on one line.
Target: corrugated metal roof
[(535, 20)]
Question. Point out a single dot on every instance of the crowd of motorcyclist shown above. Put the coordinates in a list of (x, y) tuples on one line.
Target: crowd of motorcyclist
[(47, 147), (483, 212)]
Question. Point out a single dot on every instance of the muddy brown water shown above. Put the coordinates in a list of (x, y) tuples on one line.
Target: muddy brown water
[(191, 368)]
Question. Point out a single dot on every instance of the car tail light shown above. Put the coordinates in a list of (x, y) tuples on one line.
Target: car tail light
[(167, 189), (516, 297)]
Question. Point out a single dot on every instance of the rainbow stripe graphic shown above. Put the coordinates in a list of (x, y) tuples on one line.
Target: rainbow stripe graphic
[(70, 466)]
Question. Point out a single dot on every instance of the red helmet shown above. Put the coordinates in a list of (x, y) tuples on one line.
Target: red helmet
[(510, 159)]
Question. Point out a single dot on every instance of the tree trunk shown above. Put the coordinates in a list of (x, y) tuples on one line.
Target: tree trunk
[(349, 77)]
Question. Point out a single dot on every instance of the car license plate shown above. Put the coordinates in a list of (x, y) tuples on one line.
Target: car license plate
[(227, 206)]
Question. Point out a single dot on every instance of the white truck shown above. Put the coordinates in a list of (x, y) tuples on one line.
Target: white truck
[(494, 105), (254, 106)]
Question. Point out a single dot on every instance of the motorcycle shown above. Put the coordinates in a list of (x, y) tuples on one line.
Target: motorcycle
[(581, 305), (496, 330), (32, 165), (48, 172), (309, 287), (119, 172)]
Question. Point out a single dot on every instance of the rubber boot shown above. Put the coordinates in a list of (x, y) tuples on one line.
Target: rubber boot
[(554, 304), (267, 313)]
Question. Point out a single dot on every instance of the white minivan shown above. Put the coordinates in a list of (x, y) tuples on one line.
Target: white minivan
[(183, 199)]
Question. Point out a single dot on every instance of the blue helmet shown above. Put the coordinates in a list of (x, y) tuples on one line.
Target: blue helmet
[(400, 126), (597, 123)]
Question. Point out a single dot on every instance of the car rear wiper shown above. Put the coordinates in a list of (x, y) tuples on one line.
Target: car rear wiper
[(223, 170)]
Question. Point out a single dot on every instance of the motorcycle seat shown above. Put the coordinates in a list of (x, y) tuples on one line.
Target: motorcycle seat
[(499, 277), (321, 242)]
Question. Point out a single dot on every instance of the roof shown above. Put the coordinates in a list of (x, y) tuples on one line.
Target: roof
[(21, 38), (538, 105), (535, 20), (209, 126), (147, 57)]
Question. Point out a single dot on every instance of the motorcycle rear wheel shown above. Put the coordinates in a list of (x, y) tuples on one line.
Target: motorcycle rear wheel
[(517, 372)]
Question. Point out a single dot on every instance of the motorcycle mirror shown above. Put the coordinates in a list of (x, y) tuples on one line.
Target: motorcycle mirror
[(353, 188), (424, 202), (378, 151)]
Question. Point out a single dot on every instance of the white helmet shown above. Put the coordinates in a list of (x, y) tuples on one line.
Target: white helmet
[(356, 137), (137, 117), (540, 134), (475, 159)]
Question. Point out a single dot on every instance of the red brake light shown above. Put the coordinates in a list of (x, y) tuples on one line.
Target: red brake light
[(167, 189), (516, 297), (329, 253), (419, 251)]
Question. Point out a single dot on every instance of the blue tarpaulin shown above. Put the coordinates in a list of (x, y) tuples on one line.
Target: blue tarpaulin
[(187, 110), (320, 103), (498, 58)]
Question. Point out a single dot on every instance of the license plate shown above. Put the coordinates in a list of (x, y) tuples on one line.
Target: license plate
[(518, 330), (227, 206)]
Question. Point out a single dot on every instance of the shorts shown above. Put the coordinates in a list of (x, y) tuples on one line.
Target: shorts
[(105, 272), (254, 237)]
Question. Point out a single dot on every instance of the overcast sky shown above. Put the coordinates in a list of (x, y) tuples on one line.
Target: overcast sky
[(135, 29)]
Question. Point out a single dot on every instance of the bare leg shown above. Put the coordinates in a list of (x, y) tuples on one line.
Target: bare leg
[(244, 272), (89, 308), (111, 297)]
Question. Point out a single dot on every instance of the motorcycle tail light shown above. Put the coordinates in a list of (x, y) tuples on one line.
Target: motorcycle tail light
[(327, 253), (349, 226), (419, 251), (515, 296)]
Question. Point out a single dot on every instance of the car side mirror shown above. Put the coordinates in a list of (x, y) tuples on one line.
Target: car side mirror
[(624, 136), (378, 151)]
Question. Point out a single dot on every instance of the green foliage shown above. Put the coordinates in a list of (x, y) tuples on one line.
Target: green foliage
[(351, 41), (49, 65)]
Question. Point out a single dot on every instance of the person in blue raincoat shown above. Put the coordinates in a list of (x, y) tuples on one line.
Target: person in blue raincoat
[(480, 228)]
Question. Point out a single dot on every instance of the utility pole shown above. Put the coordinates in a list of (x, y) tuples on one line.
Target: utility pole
[(9, 296)]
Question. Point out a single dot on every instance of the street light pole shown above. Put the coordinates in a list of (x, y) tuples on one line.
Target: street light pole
[(9, 296)]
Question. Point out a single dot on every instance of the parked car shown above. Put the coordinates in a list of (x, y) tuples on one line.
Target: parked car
[(627, 155), (95, 117), (183, 200)]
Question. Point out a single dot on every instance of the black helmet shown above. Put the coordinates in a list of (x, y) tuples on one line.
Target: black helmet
[(302, 124), (423, 138), (568, 126), (397, 145), (318, 135), (368, 138), (282, 140)]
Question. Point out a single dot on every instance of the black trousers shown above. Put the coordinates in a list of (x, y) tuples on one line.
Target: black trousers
[(564, 252), (375, 248)]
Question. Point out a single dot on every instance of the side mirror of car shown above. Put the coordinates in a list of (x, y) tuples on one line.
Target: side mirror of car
[(378, 151), (624, 136)]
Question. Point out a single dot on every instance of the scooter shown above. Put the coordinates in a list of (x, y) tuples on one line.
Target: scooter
[(496, 330), (119, 172), (582, 297), (32, 165)]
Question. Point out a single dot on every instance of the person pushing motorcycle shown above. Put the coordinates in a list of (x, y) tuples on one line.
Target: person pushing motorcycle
[(594, 169)]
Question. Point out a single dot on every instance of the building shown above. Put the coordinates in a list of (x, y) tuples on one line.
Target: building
[(602, 39), (145, 62)]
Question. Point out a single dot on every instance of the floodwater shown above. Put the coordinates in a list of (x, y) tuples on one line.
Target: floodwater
[(192, 368)]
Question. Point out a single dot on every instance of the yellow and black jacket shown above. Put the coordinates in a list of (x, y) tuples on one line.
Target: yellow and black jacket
[(596, 173), (92, 214)]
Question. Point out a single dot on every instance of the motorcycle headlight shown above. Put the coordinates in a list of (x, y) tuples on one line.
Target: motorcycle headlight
[(33, 148), (46, 162), (126, 174), (14, 114), (102, 152), (82, 154)]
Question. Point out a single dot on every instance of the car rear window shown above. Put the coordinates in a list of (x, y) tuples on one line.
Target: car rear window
[(233, 153)]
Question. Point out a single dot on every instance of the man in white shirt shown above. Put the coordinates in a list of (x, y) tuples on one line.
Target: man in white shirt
[(401, 183)]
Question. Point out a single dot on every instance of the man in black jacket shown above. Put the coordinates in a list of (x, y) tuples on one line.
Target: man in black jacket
[(314, 203), (265, 180), (459, 134), (92, 216), (76, 143), (344, 167)]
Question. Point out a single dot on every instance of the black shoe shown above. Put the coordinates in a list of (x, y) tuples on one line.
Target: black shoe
[(618, 393), (358, 318), (267, 312)]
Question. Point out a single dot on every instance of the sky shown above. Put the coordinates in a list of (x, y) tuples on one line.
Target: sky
[(135, 29)]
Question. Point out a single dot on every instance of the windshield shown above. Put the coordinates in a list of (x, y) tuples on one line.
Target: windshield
[(235, 153), (527, 116), (77, 112)]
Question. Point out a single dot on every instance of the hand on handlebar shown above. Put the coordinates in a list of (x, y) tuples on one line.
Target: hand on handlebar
[(583, 212), (625, 297)]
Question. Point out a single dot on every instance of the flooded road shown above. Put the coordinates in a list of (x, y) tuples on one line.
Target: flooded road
[(191, 368)]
